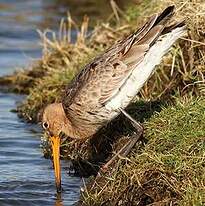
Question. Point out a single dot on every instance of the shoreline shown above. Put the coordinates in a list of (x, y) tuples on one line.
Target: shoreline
[(167, 166)]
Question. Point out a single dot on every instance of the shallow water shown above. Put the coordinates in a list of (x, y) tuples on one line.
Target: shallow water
[(26, 177)]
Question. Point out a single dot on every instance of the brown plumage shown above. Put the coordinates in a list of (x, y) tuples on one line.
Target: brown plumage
[(110, 81)]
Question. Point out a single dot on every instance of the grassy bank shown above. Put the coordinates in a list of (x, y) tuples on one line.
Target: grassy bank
[(167, 168)]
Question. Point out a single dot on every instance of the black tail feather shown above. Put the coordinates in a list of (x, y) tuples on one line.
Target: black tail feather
[(165, 15), (173, 26)]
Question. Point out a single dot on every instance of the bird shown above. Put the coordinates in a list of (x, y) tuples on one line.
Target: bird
[(104, 87)]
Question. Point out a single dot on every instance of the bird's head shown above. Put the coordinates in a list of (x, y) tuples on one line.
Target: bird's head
[(54, 119), (53, 122)]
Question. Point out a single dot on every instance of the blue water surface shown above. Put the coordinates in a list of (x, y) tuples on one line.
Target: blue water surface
[(26, 177)]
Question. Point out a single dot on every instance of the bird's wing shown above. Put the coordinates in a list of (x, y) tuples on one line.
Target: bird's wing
[(100, 79)]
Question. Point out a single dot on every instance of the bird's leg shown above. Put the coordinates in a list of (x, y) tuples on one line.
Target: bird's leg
[(125, 150), (137, 134)]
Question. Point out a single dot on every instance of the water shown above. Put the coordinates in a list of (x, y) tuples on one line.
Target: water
[(26, 177)]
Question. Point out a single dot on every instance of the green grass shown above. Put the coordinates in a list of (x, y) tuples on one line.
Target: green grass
[(168, 169), (180, 73)]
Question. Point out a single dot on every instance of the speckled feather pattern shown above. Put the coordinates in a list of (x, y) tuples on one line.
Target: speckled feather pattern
[(113, 79)]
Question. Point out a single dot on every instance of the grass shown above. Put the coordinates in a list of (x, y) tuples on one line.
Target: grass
[(167, 168), (181, 72)]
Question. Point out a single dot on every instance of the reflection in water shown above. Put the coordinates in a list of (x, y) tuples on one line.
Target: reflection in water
[(26, 178), (58, 200)]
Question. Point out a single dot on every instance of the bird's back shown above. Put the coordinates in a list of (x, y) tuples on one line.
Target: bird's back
[(113, 79)]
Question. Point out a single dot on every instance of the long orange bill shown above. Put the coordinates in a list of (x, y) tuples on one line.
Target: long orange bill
[(55, 142)]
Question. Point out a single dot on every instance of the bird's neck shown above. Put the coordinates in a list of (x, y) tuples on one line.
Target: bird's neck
[(80, 132), (69, 129)]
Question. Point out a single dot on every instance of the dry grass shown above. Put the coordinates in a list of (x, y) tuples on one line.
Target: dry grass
[(169, 169), (181, 72), (61, 60)]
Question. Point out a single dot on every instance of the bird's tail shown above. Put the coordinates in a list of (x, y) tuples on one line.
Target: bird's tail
[(152, 29)]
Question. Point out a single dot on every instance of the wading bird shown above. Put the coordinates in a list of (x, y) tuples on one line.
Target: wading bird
[(105, 87)]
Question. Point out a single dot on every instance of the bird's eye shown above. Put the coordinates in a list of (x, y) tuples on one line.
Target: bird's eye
[(45, 125)]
